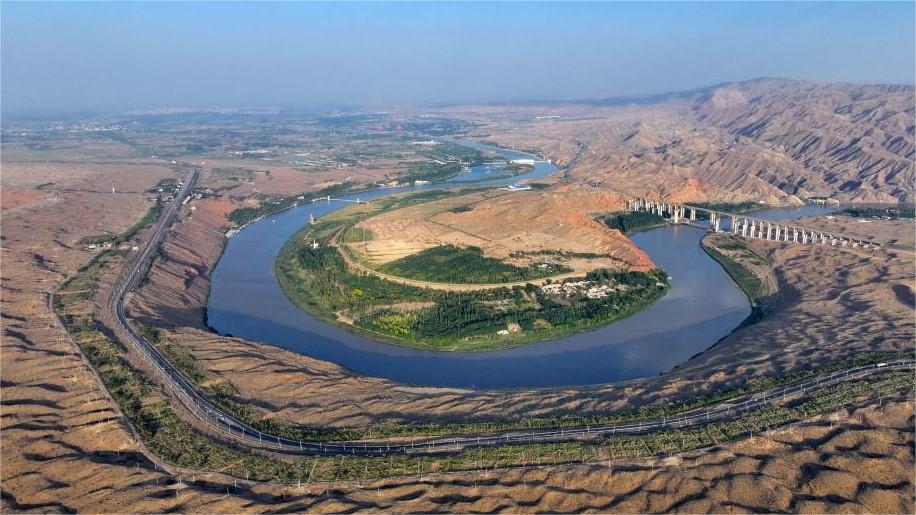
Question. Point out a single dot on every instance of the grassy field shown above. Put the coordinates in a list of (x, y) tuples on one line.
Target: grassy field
[(356, 234)]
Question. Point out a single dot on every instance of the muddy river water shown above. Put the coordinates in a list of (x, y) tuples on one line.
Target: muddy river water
[(702, 306)]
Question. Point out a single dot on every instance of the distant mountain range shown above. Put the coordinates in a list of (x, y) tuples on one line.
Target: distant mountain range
[(857, 139), (762, 138)]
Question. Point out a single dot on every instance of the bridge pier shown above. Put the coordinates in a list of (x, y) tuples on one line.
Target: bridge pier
[(744, 226)]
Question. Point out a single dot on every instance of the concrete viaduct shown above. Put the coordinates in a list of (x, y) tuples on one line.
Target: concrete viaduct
[(747, 226)]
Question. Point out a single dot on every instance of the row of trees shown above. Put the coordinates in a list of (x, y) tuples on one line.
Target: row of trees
[(631, 222)]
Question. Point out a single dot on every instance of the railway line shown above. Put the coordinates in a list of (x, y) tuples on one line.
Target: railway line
[(228, 427)]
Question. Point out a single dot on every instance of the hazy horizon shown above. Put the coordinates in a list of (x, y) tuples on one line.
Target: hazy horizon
[(106, 57)]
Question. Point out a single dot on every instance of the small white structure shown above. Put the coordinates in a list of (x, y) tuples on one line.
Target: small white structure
[(518, 187)]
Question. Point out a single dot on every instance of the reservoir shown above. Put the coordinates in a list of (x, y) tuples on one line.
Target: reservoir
[(702, 306)]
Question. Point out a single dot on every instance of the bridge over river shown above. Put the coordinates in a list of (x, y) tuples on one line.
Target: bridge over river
[(747, 226)]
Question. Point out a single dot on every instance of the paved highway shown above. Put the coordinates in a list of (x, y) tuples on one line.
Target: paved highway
[(228, 427)]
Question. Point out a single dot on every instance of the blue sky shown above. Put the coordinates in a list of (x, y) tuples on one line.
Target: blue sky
[(125, 55)]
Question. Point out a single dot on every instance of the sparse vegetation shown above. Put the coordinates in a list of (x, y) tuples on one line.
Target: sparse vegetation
[(356, 234), (875, 212), (175, 441), (148, 219), (746, 279), (320, 282), (270, 205), (727, 207), (98, 240), (442, 161), (233, 173), (560, 254), (167, 185)]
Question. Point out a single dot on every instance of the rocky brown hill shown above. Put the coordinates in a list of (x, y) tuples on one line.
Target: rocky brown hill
[(763, 139), (855, 140)]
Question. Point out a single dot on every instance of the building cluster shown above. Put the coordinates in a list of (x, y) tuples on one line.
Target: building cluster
[(110, 245), (591, 289)]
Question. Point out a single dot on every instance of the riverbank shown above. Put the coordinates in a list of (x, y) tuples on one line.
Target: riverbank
[(630, 223), (319, 281), (650, 342), (748, 269), (178, 443), (542, 299)]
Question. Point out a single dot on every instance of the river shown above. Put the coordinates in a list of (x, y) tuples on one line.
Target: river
[(702, 306)]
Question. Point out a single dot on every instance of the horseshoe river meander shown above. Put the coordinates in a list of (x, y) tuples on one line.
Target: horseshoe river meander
[(702, 306)]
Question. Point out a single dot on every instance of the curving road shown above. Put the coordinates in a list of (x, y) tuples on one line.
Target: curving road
[(224, 424)]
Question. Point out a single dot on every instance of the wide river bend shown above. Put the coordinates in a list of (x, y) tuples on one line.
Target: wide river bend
[(702, 306)]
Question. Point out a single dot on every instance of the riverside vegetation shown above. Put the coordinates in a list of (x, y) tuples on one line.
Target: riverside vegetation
[(451, 264), (178, 443), (319, 281), (440, 162), (748, 269), (632, 222), (734, 255)]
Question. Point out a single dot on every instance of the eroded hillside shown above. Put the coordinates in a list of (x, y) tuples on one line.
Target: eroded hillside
[(767, 139), (509, 225)]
